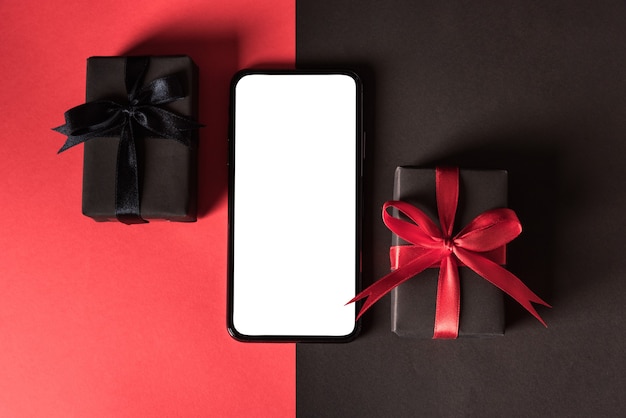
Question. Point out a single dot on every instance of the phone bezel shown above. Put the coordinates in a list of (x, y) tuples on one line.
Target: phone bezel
[(358, 155)]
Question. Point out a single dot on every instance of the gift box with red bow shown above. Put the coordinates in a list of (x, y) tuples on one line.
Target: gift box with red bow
[(450, 230)]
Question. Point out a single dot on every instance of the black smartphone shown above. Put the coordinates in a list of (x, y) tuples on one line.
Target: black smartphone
[(295, 170)]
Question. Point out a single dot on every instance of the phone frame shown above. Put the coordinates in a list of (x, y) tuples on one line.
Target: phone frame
[(358, 207)]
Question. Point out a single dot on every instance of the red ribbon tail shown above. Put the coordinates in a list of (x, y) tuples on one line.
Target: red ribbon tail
[(383, 286), (503, 279), (448, 300)]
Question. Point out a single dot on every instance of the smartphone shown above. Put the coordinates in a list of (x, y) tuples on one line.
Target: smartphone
[(295, 170)]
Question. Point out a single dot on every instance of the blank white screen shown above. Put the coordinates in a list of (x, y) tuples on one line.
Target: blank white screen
[(295, 205)]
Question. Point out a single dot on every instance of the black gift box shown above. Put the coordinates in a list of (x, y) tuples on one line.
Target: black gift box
[(413, 302), (167, 168)]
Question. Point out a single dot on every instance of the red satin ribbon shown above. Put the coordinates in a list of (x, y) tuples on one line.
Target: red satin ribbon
[(475, 247)]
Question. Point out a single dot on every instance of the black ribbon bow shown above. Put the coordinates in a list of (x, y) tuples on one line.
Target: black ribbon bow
[(108, 118)]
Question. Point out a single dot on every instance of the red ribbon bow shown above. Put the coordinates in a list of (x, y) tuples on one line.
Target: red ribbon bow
[(487, 232)]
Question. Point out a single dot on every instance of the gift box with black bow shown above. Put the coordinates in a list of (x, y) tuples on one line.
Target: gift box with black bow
[(140, 137)]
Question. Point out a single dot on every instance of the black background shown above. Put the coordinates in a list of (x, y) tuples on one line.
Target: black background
[(534, 87)]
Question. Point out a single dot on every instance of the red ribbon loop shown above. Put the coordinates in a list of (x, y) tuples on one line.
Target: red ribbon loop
[(478, 246)]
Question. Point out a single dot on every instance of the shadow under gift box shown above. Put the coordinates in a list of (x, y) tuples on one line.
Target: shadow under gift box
[(167, 168), (413, 302)]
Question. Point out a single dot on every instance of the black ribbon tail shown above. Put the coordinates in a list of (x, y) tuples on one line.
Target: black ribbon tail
[(127, 203)]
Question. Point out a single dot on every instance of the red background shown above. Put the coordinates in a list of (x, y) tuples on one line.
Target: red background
[(103, 319)]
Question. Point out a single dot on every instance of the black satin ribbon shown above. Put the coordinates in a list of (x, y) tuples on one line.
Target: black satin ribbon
[(108, 118)]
